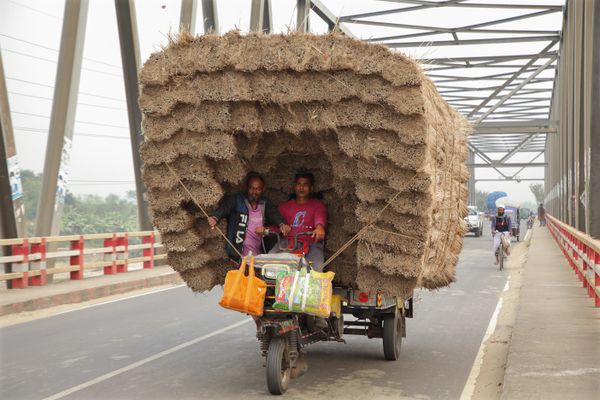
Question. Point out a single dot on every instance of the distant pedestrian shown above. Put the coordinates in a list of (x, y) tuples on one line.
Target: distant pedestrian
[(542, 215)]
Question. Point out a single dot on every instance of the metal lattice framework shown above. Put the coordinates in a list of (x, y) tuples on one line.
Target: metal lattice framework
[(493, 60)]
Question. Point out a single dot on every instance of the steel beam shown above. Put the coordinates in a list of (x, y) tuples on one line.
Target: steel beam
[(8, 225), (9, 158), (302, 15), (330, 19), (525, 127), (210, 16), (513, 91), (495, 164), (187, 16), (477, 5), (593, 151), (130, 58), (62, 118), (260, 16), (517, 148), (512, 78)]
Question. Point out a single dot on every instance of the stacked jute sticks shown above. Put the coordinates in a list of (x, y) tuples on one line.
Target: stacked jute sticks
[(365, 120)]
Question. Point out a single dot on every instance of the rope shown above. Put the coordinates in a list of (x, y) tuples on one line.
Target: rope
[(201, 208), (360, 232)]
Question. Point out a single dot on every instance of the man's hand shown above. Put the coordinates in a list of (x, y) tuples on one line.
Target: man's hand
[(260, 230), (493, 233), (319, 233), (285, 229), (212, 221)]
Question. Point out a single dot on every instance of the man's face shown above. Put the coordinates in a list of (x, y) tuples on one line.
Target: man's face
[(501, 211), (255, 190), (302, 188)]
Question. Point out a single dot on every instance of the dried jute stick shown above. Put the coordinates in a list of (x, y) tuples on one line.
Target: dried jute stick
[(201, 208), (360, 232)]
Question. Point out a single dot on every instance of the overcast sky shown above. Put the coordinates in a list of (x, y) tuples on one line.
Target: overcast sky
[(101, 157)]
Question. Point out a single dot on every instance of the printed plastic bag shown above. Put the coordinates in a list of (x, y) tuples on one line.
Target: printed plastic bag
[(244, 293), (302, 292)]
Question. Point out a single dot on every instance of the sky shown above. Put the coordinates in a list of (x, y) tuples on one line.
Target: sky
[(101, 160)]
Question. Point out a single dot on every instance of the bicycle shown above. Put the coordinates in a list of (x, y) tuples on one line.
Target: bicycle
[(500, 252)]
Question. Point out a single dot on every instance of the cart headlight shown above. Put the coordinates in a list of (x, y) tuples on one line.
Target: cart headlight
[(270, 274)]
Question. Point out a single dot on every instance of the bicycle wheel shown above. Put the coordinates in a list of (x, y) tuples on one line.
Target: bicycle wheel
[(501, 255)]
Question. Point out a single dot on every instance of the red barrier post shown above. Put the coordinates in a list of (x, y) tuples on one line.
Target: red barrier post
[(78, 259), (596, 261), (122, 253), (149, 252), (23, 266), (112, 242), (40, 264)]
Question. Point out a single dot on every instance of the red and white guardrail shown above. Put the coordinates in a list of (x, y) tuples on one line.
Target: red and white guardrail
[(583, 253), (30, 255)]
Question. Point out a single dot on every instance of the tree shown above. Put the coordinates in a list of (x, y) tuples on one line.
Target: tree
[(538, 191), (82, 214), (480, 197)]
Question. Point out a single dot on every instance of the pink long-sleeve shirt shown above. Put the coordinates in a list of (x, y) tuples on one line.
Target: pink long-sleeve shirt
[(303, 217)]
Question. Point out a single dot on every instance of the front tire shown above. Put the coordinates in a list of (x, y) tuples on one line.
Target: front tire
[(278, 366), (392, 336)]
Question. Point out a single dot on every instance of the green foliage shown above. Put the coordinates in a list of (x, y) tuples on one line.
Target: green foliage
[(538, 191), (32, 186), (83, 214), (480, 197)]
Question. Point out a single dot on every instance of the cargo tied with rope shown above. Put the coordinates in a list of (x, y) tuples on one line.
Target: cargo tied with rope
[(387, 151)]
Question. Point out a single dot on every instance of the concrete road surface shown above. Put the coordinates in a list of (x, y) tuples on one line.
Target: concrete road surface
[(174, 344)]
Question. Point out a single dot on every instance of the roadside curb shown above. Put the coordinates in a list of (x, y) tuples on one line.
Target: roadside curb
[(78, 296)]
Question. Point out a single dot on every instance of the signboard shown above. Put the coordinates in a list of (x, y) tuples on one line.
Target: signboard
[(14, 174), (63, 172)]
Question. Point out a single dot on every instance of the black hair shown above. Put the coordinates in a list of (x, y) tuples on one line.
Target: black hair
[(305, 175), (250, 176)]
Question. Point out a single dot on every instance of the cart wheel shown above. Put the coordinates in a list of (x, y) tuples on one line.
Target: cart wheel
[(278, 366), (517, 238), (392, 336)]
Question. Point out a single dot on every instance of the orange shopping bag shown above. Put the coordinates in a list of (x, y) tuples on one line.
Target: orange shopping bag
[(244, 293)]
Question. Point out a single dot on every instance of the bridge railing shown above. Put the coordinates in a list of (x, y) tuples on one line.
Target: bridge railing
[(110, 253), (583, 253)]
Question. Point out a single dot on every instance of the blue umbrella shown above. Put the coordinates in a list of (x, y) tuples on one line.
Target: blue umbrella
[(490, 201)]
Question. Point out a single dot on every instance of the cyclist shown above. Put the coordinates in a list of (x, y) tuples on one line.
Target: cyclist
[(501, 226)]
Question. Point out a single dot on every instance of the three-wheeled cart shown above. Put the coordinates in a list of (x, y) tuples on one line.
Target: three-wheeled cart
[(284, 336)]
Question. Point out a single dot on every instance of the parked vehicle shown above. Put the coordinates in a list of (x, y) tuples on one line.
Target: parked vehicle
[(474, 221), (514, 213)]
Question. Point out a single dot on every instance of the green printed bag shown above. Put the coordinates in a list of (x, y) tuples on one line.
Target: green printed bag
[(302, 292)]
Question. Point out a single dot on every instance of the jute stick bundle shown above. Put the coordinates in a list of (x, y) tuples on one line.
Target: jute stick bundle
[(366, 121)]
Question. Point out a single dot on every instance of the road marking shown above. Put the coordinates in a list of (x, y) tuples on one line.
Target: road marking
[(469, 388), (147, 360), (116, 300)]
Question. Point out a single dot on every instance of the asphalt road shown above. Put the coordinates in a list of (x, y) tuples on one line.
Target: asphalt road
[(128, 349)]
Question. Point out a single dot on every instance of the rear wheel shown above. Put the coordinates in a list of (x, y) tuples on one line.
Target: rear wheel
[(278, 366), (392, 336)]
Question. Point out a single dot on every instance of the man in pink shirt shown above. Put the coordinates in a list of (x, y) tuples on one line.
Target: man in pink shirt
[(305, 214)]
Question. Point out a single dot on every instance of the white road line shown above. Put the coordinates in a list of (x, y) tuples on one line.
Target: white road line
[(116, 300), (469, 388), (156, 356)]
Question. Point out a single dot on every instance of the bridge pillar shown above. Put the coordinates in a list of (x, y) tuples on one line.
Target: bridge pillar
[(130, 58), (593, 151), (62, 119)]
